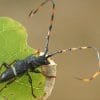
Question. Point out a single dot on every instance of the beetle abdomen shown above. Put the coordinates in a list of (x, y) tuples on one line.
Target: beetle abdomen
[(7, 75)]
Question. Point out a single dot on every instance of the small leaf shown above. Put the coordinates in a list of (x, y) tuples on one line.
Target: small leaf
[(13, 46)]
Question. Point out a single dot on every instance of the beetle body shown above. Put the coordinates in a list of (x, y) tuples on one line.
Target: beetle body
[(22, 66)]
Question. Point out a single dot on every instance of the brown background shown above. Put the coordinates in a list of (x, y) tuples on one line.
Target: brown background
[(77, 23)]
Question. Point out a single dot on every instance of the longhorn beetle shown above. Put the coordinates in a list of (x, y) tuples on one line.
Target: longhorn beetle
[(30, 63)]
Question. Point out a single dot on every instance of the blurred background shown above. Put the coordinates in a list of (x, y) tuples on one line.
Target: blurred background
[(77, 23)]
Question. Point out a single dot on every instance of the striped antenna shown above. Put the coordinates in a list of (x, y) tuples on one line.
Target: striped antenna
[(64, 50), (51, 22), (97, 73)]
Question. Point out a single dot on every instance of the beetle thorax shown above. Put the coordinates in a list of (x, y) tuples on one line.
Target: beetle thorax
[(36, 61)]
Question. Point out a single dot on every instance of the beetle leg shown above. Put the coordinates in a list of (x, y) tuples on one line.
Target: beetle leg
[(12, 62), (30, 81), (7, 66)]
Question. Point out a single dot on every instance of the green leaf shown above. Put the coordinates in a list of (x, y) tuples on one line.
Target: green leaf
[(13, 46)]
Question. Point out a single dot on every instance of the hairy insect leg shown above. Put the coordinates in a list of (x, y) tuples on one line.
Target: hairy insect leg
[(8, 83), (30, 81), (97, 73), (51, 22)]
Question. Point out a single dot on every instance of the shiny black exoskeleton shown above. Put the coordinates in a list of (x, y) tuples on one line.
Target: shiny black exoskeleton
[(22, 66)]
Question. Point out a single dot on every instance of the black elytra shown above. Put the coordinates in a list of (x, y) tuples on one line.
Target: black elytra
[(30, 63), (22, 66)]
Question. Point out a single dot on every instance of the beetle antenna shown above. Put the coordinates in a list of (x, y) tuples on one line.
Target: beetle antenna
[(97, 73), (49, 30), (35, 11), (51, 23)]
